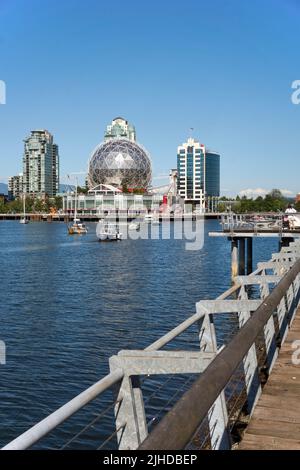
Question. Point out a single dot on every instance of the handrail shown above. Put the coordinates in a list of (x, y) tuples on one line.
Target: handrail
[(43, 428), (179, 425)]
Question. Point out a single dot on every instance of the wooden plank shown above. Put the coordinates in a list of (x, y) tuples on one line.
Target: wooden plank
[(271, 414), (275, 423), (264, 427), (269, 443)]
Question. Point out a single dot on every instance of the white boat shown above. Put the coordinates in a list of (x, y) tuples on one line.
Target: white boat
[(77, 228), (155, 221), (148, 218), (293, 220), (108, 232), (134, 226), (24, 220), (151, 219)]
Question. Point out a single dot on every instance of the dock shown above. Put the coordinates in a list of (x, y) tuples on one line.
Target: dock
[(275, 424), (241, 230)]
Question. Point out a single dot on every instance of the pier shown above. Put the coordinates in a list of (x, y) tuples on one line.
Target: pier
[(113, 215), (226, 385), (241, 229)]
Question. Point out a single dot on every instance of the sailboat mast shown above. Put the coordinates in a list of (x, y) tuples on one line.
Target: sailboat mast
[(75, 212), (24, 205)]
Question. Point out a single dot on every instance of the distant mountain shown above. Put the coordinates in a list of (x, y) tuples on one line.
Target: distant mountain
[(3, 188)]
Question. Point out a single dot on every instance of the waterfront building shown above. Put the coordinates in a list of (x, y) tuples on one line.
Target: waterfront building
[(191, 172), (15, 186), (120, 129), (212, 180), (40, 165), (198, 180), (107, 198)]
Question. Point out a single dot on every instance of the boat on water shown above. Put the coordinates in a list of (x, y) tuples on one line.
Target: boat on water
[(77, 228), (151, 219), (134, 226), (108, 232), (23, 220)]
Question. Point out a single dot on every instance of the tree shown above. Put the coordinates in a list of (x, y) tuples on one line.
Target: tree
[(276, 194), (58, 202)]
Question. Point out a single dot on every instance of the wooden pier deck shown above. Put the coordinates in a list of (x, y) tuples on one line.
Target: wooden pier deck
[(275, 424)]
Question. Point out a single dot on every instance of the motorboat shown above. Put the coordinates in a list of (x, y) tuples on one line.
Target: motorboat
[(293, 220), (151, 219), (108, 232), (148, 218), (134, 226)]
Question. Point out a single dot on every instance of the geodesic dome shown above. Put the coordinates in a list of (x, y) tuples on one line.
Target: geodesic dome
[(120, 162)]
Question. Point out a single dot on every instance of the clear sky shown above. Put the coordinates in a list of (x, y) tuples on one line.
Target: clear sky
[(223, 67)]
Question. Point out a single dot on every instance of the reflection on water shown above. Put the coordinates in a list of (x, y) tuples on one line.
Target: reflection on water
[(68, 303)]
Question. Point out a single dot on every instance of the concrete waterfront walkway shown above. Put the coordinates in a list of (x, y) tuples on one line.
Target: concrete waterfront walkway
[(275, 424)]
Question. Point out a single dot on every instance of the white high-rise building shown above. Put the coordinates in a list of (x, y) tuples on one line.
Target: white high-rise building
[(191, 171), (40, 165), (198, 170)]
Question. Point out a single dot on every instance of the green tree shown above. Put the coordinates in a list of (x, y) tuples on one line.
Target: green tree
[(58, 202)]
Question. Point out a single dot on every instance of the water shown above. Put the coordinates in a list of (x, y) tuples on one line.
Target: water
[(68, 303)]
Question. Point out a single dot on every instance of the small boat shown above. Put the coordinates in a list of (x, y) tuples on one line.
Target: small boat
[(134, 226), (148, 218), (151, 219), (77, 228), (108, 233), (155, 221), (24, 220)]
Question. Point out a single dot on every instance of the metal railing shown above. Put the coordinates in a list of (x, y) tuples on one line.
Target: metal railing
[(220, 379), (260, 222)]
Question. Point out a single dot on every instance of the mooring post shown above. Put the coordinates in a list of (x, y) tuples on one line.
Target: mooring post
[(242, 256), (234, 258), (249, 255)]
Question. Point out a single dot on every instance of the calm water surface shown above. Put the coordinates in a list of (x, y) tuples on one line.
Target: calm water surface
[(68, 303)]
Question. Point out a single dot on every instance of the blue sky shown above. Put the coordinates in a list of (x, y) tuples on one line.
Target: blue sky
[(223, 67)]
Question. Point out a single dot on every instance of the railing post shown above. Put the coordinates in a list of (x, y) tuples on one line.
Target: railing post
[(242, 256), (234, 258), (249, 255), (130, 416), (217, 415), (269, 333), (250, 363)]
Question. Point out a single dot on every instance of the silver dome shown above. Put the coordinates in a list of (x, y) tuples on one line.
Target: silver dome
[(120, 162)]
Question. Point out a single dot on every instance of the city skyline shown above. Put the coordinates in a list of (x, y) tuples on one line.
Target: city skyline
[(231, 95)]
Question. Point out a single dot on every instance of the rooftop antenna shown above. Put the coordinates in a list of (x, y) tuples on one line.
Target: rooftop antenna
[(191, 132)]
